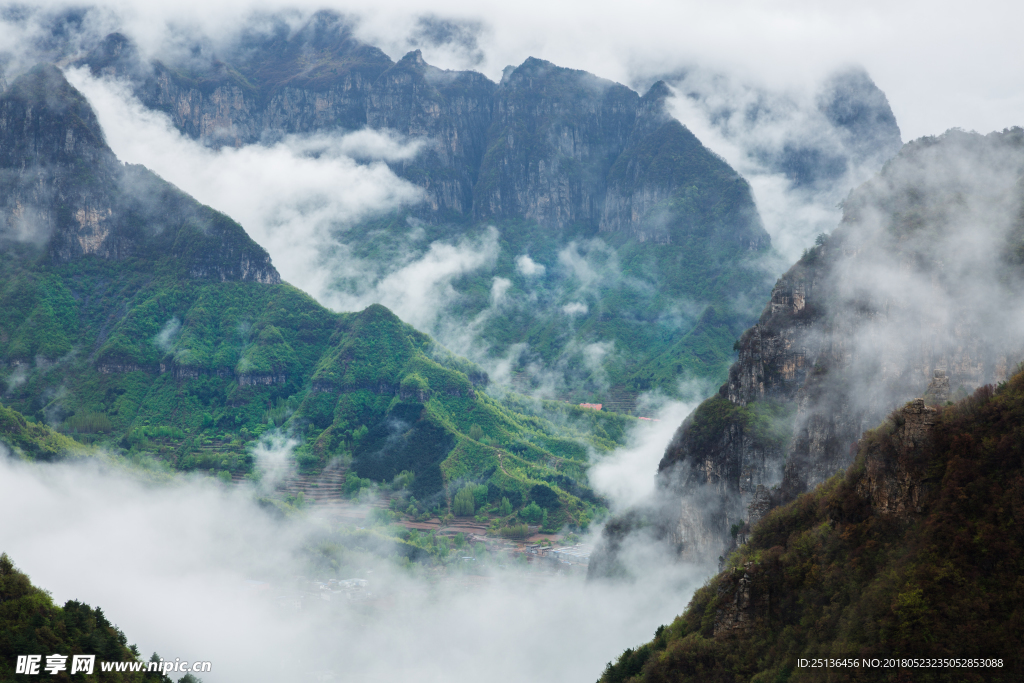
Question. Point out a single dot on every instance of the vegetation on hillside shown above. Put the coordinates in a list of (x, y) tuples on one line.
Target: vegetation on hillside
[(30, 624), (831, 578), (195, 371)]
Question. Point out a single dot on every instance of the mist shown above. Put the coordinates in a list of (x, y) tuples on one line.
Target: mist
[(933, 242), (169, 564), (627, 477), (941, 66)]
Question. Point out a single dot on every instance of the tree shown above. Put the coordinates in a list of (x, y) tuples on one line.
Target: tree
[(544, 495), (403, 480), (479, 496), (532, 513), (464, 503), (475, 432), (506, 507)]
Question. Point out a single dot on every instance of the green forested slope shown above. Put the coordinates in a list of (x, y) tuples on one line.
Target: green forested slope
[(166, 331)]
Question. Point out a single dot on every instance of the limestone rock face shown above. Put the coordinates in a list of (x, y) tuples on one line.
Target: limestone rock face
[(747, 603), (450, 111), (660, 157), (938, 389), (61, 187), (894, 477), (554, 137)]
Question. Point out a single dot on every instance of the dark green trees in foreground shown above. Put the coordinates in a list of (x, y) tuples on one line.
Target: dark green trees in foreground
[(31, 624)]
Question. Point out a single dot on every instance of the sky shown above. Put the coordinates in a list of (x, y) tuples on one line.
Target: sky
[(941, 65)]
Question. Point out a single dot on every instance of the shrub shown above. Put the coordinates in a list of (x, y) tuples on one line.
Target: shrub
[(515, 531), (88, 423), (403, 480)]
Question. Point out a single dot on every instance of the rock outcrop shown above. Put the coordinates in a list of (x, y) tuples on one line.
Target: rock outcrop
[(747, 601), (894, 479), (62, 187)]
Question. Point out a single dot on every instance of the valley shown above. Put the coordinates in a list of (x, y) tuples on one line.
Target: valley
[(332, 349)]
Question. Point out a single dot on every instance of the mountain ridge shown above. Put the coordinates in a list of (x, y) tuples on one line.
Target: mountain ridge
[(534, 155)]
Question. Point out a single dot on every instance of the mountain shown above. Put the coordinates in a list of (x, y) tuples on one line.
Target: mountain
[(33, 440), (914, 552), (133, 316), (916, 293), (30, 624), (625, 251), (65, 187)]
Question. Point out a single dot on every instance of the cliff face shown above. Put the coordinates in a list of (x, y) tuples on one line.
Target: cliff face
[(279, 82), (62, 187), (557, 146), (659, 189), (451, 111), (554, 137), (915, 293)]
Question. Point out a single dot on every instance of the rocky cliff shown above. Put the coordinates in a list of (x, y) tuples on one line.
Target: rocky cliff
[(658, 187), (557, 146), (916, 293), (62, 187)]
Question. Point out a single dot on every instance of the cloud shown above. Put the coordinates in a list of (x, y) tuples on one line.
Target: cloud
[(273, 459), (627, 476), (419, 291), (286, 195), (164, 339), (798, 164), (174, 567), (499, 287), (528, 267), (576, 308)]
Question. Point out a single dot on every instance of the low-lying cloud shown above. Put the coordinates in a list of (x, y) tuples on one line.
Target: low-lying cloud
[(176, 567)]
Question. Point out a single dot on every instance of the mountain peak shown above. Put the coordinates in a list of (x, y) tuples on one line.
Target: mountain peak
[(44, 102), (413, 59), (658, 91), (62, 186), (856, 106)]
